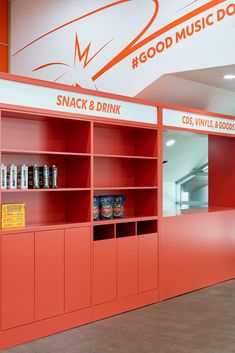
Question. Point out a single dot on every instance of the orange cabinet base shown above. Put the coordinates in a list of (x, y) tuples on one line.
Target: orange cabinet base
[(26, 333), (38, 329), (124, 304)]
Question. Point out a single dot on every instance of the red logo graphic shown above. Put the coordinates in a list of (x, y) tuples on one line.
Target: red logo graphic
[(78, 55), (82, 55)]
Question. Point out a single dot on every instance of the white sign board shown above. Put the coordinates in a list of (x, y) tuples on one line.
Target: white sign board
[(192, 121), (35, 96)]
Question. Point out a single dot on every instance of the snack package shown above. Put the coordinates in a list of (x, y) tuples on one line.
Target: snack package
[(118, 206), (106, 207), (13, 215), (96, 208)]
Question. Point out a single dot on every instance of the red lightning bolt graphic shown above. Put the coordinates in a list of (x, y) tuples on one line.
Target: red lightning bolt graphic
[(78, 54)]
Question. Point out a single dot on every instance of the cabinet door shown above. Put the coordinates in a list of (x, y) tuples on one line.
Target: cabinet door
[(77, 268), (104, 271), (148, 262), (49, 273), (127, 266), (17, 279)]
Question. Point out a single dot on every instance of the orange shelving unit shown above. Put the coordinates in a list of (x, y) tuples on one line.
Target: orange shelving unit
[(125, 164), (64, 269)]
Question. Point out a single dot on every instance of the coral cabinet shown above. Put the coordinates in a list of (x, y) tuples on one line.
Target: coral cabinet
[(63, 269)]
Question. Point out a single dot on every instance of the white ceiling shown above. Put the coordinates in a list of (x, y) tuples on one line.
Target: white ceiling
[(212, 77), (200, 89)]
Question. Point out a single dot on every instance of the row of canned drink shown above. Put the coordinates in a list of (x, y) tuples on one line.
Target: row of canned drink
[(29, 177)]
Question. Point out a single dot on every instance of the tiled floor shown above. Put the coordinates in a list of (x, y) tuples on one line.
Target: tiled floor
[(199, 322)]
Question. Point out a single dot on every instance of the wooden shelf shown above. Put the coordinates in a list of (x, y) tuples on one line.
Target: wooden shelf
[(126, 228), (74, 170), (49, 135), (117, 140), (52, 206), (138, 202), (44, 190), (57, 153), (124, 220), (125, 173), (122, 163), (127, 188), (36, 227), (123, 156)]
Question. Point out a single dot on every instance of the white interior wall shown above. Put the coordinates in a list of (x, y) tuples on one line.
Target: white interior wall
[(169, 199)]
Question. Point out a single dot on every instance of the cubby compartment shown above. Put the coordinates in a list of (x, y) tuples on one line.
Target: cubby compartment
[(28, 132), (144, 203), (102, 232), (52, 208), (124, 140), (125, 229), (146, 227), (73, 171), (138, 203), (124, 172)]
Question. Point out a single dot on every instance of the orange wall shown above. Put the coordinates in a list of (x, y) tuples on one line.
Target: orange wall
[(4, 35), (222, 170)]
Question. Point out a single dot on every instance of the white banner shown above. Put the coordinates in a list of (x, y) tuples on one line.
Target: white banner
[(187, 120), (23, 94), (119, 46)]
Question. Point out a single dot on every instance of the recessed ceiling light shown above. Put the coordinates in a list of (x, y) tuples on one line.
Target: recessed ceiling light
[(170, 143), (229, 77)]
